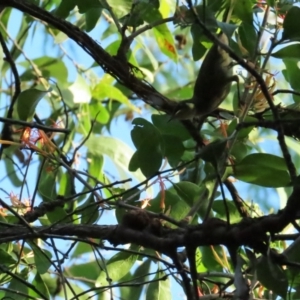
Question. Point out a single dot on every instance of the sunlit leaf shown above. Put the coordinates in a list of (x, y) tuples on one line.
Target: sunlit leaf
[(116, 150), (163, 36), (165, 41), (104, 91), (120, 7), (80, 90), (48, 66)]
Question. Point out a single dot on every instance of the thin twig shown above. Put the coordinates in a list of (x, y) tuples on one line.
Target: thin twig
[(34, 125)]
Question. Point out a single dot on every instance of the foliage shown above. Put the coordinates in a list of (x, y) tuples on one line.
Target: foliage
[(88, 214)]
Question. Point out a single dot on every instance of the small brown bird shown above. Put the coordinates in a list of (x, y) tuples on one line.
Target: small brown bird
[(212, 85)]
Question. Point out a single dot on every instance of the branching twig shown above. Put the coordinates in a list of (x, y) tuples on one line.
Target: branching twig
[(34, 125)]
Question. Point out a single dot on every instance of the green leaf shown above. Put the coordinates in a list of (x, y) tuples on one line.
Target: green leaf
[(142, 275), (188, 191), (47, 186), (292, 254), (49, 66), (291, 24), (177, 209), (57, 215), (243, 10), (66, 185), (64, 8), (149, 157), (219, 208), (143, 130), (209, 260), (150, 147), (105, 90), (162, 34), (84, 126), (265, 160), (240, 150), (185, 92), (116, 150), (120, 7), (174, 149), (100, 113), (291, 75), (42, 258), (242, 133), (134, 163), (80, 249), (27, 103), (95, 165), (165, 41), (92, 16), (263, 169), (39, 283), (6, 258), (170, 127), (198, 50), (10, 169), (90, 270), (248, 37), (272, 276), (21, 36), (20, 290), (131, 196), (116, 268), (227, 28), (89, 211), (199, 261), (213, 152), (86, 5), (289, 52), (159, 289)]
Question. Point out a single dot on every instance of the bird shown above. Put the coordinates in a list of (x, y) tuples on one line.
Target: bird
[(212, 84)]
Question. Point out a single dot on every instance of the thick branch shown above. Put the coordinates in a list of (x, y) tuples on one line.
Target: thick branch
[(119, 69), (250, 232)]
